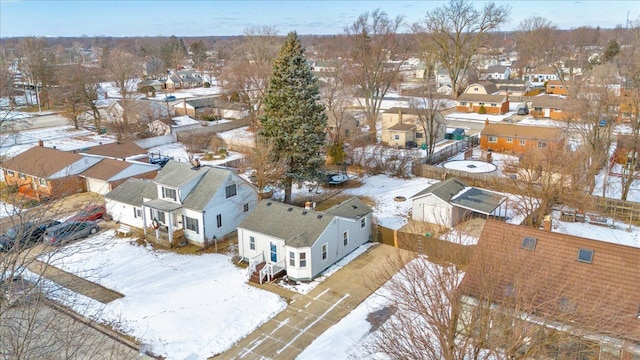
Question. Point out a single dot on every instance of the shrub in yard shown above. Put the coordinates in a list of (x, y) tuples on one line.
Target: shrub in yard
[(482, 110), (207, 84)]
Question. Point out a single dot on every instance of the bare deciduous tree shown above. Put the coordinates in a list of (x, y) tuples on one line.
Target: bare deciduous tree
[(123, 67), (375, 54), (456, 31)]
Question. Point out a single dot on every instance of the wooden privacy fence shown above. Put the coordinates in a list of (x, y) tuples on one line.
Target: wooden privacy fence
[(623, 210), (437, 250)]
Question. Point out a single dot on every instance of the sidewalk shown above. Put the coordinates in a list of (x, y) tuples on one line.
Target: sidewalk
[(308, 316)]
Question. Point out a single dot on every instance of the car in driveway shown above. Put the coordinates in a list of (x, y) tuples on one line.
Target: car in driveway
[(70, 230), (169, 98), (90, 213), (25, 233)]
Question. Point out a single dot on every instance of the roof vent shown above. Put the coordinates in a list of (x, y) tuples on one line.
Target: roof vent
[(290, 209), (269, 203), (304, 213), (319, 216), (354, 207)]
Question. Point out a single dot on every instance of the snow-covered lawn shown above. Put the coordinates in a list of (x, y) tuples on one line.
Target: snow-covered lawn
[(179, 306)]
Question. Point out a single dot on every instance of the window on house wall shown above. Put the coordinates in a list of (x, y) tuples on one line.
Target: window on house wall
[(292, 258), (346, 132), (230, 190), (252, 243), (245, 208), (303, 260), (523, 141), (169, 193), (494, 104), (475, 89), (542, 144), (419, 135), (537, 109), (509, 140), (363, 222), (160, 216), (219, 220), (345, 238), (137, 212), (396, 137), (463, 103), (22, 176), (481, 104), (192, 224), (324, 249), (11, 173), (493, 139)]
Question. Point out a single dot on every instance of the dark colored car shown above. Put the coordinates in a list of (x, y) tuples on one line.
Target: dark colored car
[(169, 98), (25, 233), (70, 230), (90, 213), (523, 111), (410, 145)]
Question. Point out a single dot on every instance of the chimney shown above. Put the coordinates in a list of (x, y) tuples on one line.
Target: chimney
[(546, 223), (399, 115), (40, 143), (486, 121)]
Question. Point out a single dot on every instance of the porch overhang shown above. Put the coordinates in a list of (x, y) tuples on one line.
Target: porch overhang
[(162, 205)]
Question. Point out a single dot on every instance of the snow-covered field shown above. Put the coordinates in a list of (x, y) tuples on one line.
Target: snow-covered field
[(179, 306)]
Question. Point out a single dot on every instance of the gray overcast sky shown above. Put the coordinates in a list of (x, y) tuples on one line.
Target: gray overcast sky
[(206, 18)]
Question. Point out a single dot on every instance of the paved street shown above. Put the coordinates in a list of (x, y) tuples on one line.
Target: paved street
[(308, 316)]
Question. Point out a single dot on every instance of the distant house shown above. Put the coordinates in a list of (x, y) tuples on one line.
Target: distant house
[(516, 139), (402, 125), (450, 202), (483, 95), (325, 66), (343, 128), (495, 72), (183, 79), (136, 111), (557, 87), (174, 125), (211, 106), (538, 77), (279, 237), (46, 173), (196, 204), (513, 87), (119, 150), (155, 85), (627, 151), (627, 111), (549, 106), (580, 292)]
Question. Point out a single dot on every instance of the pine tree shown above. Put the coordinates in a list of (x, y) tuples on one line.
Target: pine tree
[(294, 120)]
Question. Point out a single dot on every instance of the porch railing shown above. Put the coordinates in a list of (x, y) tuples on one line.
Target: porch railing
[(271, 269), (253, 262)]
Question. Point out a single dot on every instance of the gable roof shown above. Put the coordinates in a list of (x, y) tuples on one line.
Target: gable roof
[(353, 208), (207, 186), (402, 127), (478, 200), (604, 292), (548, 101), (201, 103), (41, 161), (131, 191), (119, 150), (298, 227), (444, 190), (522, 131), (496, 69), (105, 169), (489, 87), (177, 174)]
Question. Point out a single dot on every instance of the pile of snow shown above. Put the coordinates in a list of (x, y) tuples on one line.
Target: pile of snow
[(177, 305)]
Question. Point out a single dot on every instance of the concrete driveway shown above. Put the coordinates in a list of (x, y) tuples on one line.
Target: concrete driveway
[(308, 316)]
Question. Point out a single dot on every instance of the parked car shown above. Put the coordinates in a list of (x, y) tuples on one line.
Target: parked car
[(523, 110), (169, 98), (24, 233), (90, 213), (410, 145), (70, 230)]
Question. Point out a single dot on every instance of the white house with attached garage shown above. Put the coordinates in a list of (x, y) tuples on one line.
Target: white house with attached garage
[(185, 203), (277, 237)]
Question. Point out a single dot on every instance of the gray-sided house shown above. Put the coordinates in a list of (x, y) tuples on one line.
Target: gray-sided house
[(278, 237), (186, 202), (450, 202)]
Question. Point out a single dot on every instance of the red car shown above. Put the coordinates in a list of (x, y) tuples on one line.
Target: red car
[(90, 213)]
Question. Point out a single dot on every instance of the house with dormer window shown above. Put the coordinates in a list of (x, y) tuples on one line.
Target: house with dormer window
[(185, 203)]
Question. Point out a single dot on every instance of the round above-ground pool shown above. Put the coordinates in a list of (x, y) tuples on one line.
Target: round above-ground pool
[(471, 166)]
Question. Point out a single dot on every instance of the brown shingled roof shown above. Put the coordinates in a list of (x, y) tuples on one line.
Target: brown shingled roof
[(522, 131), (41, 161), (548, 101), (105, 169), (401, 127), (120, 150), (603, 295), (482, 97)]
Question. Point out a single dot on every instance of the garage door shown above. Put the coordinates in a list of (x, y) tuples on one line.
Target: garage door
[(97, 186)]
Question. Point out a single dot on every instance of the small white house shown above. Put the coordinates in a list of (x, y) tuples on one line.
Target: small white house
[(200, 203), (302, 242), (124, 203)]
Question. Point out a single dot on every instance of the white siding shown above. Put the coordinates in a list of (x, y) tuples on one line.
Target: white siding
[(432, 209), (98, 186), (123, 213), (192, 236)]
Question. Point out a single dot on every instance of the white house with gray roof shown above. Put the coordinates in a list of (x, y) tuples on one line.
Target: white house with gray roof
[(124, 203), (199, 203), (302, 242)]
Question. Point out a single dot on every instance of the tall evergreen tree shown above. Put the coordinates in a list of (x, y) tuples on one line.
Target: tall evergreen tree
[(294, 120)]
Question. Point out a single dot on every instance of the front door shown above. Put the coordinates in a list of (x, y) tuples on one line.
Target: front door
[(274, 252)]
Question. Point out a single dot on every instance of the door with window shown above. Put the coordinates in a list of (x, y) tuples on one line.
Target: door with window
[(274, 252)]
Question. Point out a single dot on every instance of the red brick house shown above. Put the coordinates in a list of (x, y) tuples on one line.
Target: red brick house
[(582, 293), (513, 138), (549, 106), (485, 95), (556, 87)]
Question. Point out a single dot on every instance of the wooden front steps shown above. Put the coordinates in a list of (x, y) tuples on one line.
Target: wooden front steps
[(255, 276)]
